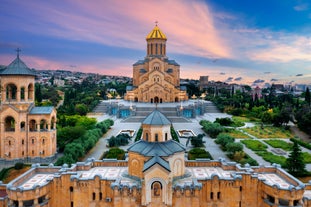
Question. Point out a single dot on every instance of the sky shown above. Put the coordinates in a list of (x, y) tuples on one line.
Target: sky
[(236, 41)]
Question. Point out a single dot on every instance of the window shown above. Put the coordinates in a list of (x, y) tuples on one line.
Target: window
[(100, 196), (23, 142), (10, 143), (9, 124), (146, 136), (32, 152), (165, 136), (22, 93), (94, 196), (71, 204), (32, 141), (23, 153), (156, 137), (218, 195), (71, 189), (22, 126), (43, 141), (212, 195)]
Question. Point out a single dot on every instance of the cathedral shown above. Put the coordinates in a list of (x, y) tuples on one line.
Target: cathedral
[(156, 79), (27, 132), (157, 173)]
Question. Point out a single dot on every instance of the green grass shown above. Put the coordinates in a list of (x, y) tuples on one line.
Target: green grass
[(198, 153), (237, 134), (280, 144), (254, 145), (270, 157), (268, 132), (306, 157)]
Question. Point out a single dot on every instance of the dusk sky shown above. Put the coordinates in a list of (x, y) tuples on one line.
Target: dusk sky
[(241, 41)]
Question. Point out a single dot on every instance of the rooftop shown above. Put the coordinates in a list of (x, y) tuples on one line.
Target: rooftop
[(156, 118), (17, 67)]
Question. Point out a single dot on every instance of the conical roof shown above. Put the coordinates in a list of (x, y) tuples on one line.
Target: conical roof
[(156, 33), (17, 67), (156, 118)]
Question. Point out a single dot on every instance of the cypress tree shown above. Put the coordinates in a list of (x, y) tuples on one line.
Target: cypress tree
[(307, 96), (295, 163)]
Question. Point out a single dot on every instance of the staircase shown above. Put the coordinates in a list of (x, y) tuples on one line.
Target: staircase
[(211, 108), (102, 107)]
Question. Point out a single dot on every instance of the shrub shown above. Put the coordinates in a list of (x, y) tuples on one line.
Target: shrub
[(212, 129), (224, 121), (115, 153), (18, 166), (198, 153), (234, 147), (138, 135), (224, 139), (197, 141)]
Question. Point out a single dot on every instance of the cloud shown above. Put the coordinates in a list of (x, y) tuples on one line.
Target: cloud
[(267, 72), (301, 7), (259, 81), (273, 80), (222, 73), (299, 74), (238, 79), (117, 23), (229, 79)]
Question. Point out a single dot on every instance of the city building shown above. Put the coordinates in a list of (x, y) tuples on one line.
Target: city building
[(203, 82), (156, 173), (27, 132), (156, 79)]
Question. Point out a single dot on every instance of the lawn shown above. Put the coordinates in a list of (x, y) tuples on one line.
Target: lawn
[(254, 145), (244, 119), (306, 157), (276, 143), (270, 157), (268, 132), (237, 134)]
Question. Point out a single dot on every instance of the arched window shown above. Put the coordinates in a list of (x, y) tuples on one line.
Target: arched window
[(22, 93), (43, 125), (146, 136), (30, 91), (43, 141), (94, 196), (32, 125), (53, 123), (11, 91), (71, 189), (165, 136), (9, 124), (156, 137), (22, 126), (23, 142)]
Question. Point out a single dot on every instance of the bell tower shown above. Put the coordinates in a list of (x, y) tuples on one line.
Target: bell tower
[(156, 43)]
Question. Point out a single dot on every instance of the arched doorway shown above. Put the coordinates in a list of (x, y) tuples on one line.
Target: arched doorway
[(160, 100), (156, 193), (156, 99), (176, 99), (136, 99)]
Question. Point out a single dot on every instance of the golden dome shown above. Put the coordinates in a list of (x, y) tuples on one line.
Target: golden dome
[(156, 34)]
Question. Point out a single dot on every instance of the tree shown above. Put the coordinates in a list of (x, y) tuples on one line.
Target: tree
[(197, 141), (307, 96), (294, 162), (234, 147), (38, 93)]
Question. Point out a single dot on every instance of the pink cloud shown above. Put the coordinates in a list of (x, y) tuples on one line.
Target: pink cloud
[(188, 25)]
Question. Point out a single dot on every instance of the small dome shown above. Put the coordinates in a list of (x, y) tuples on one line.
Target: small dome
[(156, 34), (17, 67), (156, 118)]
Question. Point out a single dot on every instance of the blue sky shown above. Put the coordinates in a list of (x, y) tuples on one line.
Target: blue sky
[(237, 41)]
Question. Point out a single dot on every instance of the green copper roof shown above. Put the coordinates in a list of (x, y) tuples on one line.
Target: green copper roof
[(156, 118), (150, 149), (17, 67), (41, 110)]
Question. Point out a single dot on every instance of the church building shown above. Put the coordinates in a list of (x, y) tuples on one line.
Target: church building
[(156, 79), (155, 173), (27, 132)]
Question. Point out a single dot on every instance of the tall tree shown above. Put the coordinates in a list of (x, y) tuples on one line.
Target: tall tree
[(294, 162), (307, 96)]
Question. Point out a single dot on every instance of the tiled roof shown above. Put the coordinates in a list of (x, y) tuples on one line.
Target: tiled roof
[(140, 62), (156, 118), (155, 160), (162, 149), (17, 67), (41, 110), (172, 62)]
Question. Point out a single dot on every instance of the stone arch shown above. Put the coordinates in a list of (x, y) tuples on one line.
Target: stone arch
[(9, 123), (22, 126), (11, 91), (32, 125), (31, 91), (53, 122), (149, 191), (43, 125), (177, 167)]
